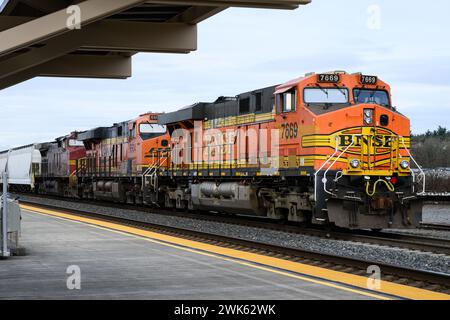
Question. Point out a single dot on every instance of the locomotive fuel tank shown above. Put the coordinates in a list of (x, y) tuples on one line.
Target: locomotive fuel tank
[(224, 190), (226, 197), (108, 190)]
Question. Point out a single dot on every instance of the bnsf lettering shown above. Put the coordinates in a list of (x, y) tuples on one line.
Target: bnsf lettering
[(377, 141)]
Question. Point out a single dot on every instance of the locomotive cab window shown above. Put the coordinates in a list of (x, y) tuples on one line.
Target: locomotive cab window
[(75, 143), (325, 95), (133, 131), (288, 101), (380, 97), (151, 130)]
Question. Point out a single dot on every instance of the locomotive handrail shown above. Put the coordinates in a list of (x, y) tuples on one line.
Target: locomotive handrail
[(322, 166), (324, 180), (152, 170), (420, 168)]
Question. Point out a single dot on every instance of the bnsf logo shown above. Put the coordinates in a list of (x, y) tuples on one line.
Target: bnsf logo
[(382, 141)]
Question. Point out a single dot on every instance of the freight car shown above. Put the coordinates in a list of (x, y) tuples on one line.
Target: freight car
[(22, 165)]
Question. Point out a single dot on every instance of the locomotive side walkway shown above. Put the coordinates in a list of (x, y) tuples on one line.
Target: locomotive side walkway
[(116, 265)]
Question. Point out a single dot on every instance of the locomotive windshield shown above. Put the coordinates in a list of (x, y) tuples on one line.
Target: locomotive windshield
[(75, 143), (326, 95), (151, 130), (371, 96)]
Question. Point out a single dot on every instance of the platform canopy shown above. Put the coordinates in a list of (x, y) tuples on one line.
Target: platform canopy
[(97, 38)]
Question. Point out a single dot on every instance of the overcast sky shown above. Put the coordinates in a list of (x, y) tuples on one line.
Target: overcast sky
[(244, 49)]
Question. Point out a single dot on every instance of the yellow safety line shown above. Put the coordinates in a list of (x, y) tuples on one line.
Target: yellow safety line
[(386, 287)]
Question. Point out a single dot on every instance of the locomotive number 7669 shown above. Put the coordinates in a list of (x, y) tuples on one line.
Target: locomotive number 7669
[(289, 130)]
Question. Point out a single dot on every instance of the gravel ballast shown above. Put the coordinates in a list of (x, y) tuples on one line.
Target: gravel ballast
[(375, 253), (436, 213)]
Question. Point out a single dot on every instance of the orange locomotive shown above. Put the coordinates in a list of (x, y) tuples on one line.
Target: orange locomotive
[(325, 148), (117, 157)]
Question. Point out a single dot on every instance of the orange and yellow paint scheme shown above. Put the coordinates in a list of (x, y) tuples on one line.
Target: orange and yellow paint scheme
[(338, 137), (311, 134), (326, 148), (149, 143)]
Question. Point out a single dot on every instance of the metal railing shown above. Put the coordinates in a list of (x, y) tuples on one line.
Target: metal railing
[(324, 179), (150, 175), (366, 154), (422, 173)]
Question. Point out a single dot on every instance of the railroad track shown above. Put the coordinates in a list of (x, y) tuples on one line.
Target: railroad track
[(389, 239), (423, 279), (435, 226)]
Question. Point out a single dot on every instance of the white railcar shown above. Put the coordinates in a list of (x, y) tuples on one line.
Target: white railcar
[(21, 164)]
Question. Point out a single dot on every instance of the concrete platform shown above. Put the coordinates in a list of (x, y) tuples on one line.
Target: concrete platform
[(120, 266)]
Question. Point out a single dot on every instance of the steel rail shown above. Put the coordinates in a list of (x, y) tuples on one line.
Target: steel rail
[(435, 226)]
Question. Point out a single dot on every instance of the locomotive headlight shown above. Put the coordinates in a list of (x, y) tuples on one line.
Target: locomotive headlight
[(368, 116), (404, 164), (354, 163)]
